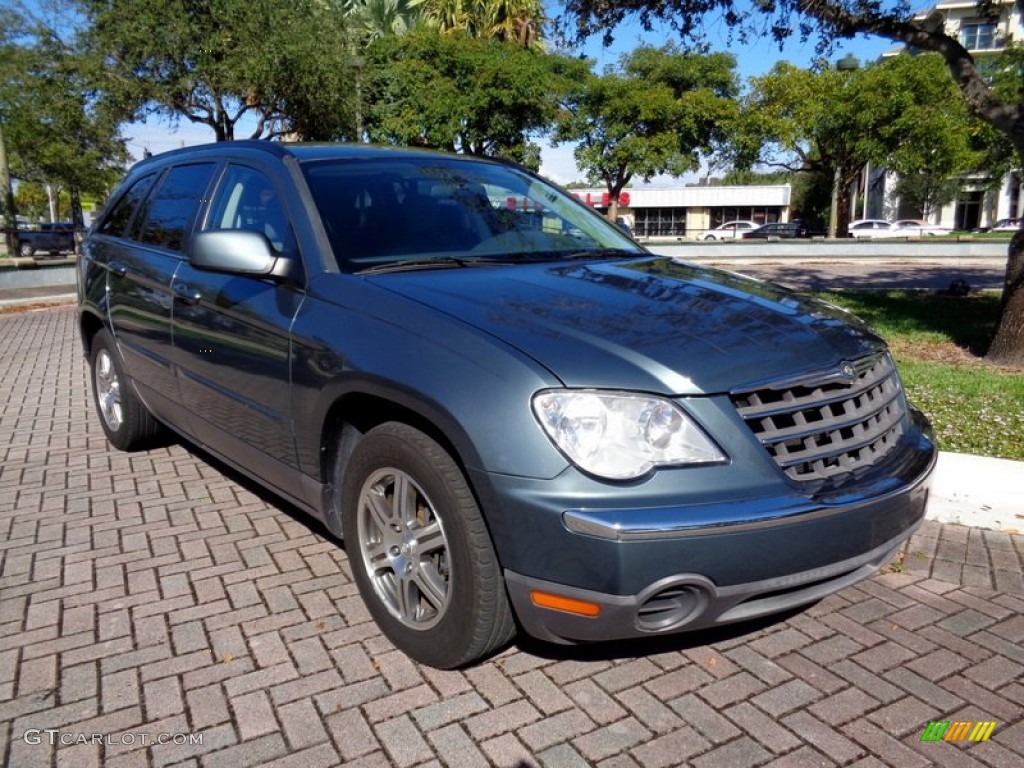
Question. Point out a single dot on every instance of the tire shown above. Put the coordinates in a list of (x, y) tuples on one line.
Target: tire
[(125, 420), (420, 552), (25, 250)]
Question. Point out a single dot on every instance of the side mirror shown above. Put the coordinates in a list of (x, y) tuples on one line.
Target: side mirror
[(234, 251)]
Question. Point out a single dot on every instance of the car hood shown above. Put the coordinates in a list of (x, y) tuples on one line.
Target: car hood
[(652, 324)]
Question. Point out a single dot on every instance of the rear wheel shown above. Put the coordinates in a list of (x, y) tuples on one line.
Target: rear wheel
[(25, 250), (125, 420), (420, 551)]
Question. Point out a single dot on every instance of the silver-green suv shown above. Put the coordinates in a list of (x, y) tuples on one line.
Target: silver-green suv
[(511, 413)]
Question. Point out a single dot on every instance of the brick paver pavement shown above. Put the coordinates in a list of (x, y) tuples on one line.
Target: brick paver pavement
[(156, 594)]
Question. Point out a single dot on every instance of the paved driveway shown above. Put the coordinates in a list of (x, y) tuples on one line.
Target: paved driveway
[(155, 597)]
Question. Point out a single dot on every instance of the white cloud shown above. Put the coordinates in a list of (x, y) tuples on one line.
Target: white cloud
[(558, 164)]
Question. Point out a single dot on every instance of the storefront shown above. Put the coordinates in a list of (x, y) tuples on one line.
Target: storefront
[(689, 212)]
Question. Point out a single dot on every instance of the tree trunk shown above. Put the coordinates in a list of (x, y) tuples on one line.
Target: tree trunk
[(1007, 346), (77, 217), (9, 207), (613, 207)]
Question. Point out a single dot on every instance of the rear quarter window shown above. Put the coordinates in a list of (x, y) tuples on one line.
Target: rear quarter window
[(116, 222), (172, 209)]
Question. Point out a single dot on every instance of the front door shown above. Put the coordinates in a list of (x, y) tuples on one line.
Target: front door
[(231, 336)]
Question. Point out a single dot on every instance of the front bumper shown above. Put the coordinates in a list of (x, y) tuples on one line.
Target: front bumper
[(670, 569), (686, 601)]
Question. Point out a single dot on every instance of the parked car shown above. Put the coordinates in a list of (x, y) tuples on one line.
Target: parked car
[(870, 228), (918, 228), (785, 229), (53, 238), (1006, 225), (514, 415), (730, 230)]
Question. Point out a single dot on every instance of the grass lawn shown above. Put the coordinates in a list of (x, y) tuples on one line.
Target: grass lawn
[(938, 342)]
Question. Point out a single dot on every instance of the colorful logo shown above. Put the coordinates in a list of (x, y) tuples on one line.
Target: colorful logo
[(958, 730)]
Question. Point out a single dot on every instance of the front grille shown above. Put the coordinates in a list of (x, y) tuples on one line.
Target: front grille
[(830, 424)]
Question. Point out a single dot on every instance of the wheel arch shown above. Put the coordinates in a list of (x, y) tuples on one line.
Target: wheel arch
[(352, 414), (89, 324)]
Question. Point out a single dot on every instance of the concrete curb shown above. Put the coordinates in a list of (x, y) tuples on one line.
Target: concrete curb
[(978, 491)]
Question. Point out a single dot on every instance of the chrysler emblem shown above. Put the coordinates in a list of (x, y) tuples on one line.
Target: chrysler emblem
[(847, 371)]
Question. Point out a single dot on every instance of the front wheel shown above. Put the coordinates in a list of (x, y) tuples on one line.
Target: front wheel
[(420, 552)]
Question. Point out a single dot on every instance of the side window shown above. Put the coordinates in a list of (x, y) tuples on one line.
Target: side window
[(172, 209), (116, 222), (246, 199)]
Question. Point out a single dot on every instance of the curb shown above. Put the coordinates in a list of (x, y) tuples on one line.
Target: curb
[(977, 491)]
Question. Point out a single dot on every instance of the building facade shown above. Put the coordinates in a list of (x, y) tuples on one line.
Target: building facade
[(981, 201), (689, 212)]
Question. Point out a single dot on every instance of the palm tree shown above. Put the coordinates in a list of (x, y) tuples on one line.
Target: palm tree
[(518, 21), (371, 19)]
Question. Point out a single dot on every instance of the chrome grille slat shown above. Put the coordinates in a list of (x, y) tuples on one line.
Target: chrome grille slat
[(823, 427), (857, 418)]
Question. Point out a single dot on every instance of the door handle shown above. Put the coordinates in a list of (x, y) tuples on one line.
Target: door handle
[(186, 293), (118, 268)]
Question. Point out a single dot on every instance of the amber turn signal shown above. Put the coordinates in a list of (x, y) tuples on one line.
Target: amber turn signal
[(566, 604)]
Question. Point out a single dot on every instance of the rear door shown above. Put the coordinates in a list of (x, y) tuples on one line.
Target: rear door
[(141, 262), (231, 333)]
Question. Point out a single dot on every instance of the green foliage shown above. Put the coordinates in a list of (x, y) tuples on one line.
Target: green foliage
[(512, 21), (58, 128), (370, 19), (655, 113), (904, 113), (462, 94), (286, 64), (743, 177), (34, 203)]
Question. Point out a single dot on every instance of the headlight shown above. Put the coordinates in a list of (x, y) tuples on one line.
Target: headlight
[(620, 435)]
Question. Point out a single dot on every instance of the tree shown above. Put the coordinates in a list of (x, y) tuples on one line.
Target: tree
[(656, 113), (833, 122), (517, 21), (284, 67), (370, 19), (462, 94), (59, 129), (837, 19)]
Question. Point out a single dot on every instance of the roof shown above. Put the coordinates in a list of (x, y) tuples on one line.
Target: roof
[(302, 151)]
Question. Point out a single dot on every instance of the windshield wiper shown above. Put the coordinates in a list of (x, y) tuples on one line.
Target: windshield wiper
[(441, 262)]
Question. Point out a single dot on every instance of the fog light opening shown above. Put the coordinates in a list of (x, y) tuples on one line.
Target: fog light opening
[(671, 607), (565, 604)]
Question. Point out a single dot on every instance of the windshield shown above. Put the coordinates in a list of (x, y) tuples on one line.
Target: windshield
[(383, 211)]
